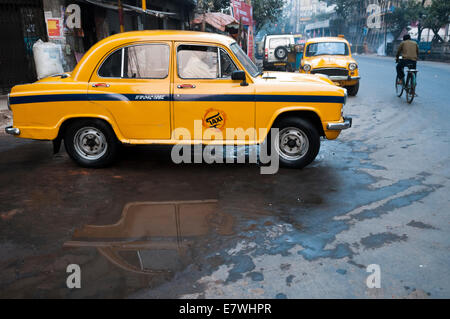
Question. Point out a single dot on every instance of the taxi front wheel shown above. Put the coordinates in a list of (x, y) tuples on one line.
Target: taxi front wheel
[(91, 143), (297, 142), (353, 90)]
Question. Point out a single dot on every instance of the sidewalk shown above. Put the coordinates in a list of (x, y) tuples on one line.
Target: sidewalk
[(5, 115), (3, 104)]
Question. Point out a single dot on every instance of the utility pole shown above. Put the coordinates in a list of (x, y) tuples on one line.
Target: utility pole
[(122, 29), (202, 4)]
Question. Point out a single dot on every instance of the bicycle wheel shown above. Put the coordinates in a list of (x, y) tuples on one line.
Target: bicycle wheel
[(410, 87), (398, 88)]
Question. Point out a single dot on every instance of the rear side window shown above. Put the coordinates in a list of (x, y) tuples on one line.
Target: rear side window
[(276, 42), (144, 61)]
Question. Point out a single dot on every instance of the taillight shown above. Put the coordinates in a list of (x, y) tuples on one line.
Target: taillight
[(266, 53)]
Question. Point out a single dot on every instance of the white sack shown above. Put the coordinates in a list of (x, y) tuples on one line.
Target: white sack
[(47, 58)]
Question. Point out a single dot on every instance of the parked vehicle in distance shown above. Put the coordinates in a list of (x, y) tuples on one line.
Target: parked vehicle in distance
[(331, 56), (141, 87), (276, 50)]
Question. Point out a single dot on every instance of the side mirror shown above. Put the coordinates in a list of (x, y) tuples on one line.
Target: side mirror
[(239, 75)]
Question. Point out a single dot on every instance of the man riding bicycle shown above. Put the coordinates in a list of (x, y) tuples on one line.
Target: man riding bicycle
[(409, 51)]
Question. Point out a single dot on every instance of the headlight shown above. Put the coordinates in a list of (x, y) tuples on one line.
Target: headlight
[(352, 66), (307, 67)]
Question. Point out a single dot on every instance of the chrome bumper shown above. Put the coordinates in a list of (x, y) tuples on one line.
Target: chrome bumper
[(12, 130), (343, 78), (340, 126)]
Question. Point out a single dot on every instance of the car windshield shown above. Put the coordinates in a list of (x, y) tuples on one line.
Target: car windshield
[(245, 60), (327, 48)]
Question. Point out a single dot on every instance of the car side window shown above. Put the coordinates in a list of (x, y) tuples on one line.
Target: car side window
[(204, 62), (197, 62), (143, 61)]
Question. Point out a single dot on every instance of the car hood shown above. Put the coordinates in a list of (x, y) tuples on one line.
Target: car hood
[(268, 76), (326, 61)]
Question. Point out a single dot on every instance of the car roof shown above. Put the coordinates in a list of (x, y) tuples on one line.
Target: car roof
[(98, 50), (327, 39), (174, 35), (280, 35)]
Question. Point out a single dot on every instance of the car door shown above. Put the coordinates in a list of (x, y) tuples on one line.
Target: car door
[(204, 92), (133, 84)]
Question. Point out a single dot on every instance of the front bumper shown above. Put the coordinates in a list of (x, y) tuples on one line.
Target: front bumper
[(340, 126), (343, 77), (12, 130)]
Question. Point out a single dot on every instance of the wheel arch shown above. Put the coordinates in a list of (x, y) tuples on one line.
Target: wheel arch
[(64, 123), (309, 114)]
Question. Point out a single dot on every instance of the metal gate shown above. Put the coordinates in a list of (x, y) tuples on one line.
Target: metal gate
[(21, 24)]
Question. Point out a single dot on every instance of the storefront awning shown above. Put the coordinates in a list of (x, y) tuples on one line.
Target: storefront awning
[(217, 20)]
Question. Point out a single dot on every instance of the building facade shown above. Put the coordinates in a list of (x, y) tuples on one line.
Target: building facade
[(75, 25)]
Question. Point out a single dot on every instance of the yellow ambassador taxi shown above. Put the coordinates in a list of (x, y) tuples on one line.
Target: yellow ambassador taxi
[(141, 87), (331, 56)]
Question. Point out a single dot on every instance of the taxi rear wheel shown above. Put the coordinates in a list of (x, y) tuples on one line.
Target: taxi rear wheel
[(297, 142), (91, 143)]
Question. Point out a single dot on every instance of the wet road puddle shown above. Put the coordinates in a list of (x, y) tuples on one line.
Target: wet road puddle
[(152, 237)]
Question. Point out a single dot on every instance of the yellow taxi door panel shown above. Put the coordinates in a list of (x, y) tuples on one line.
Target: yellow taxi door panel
[(205, 96), (133, 84)]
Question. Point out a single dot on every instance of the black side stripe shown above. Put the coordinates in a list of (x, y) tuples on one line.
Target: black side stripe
[(176, 97)]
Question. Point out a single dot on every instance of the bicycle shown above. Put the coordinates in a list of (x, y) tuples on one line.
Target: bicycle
[(409, 86)]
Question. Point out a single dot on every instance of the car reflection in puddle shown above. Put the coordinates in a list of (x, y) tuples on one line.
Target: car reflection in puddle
[(154, 238)]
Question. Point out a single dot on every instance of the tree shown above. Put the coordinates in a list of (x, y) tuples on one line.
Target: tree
[(266, 11), (344, 7), (343, 10), (399, 19), (438, 15), (212, 5), (417, 12)]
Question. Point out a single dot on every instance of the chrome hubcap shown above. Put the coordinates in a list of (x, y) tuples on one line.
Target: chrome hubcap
[(292, 143), (90, 143)]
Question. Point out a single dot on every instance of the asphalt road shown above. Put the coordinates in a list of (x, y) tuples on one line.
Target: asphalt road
[(377, 195)]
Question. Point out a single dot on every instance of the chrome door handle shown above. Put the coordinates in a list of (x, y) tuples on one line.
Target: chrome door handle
[(102, 85), (186, 86)]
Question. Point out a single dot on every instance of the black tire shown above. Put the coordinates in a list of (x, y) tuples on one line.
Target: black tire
[(281, 52), (93, 131), (310, 132), (410, 88), (353, 90), (398, 88)]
